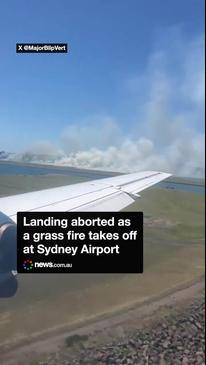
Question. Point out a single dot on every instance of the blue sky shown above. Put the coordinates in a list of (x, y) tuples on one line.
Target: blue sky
[(112, 44)]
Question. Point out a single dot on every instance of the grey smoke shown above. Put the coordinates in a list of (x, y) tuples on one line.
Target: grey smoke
[(97, 131), (41, 151), (166, 133)]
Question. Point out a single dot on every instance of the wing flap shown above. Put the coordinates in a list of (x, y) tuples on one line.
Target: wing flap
[(113, 193)]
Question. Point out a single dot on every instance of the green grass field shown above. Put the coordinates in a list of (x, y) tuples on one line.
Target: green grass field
[(172, 214), (173, 250)]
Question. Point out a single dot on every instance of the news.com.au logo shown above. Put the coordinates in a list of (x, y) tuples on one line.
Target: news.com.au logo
[(28, 265)]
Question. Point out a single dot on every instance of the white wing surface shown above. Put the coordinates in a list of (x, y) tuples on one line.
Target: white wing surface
[(108, 194)]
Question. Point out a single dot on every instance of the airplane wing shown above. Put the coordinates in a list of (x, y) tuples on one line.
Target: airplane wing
[(108, 194)]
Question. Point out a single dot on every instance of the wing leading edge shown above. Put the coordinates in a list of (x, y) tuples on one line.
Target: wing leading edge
[(109, 194)]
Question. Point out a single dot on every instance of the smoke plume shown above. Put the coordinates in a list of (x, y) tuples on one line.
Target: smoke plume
[(165, 132)]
